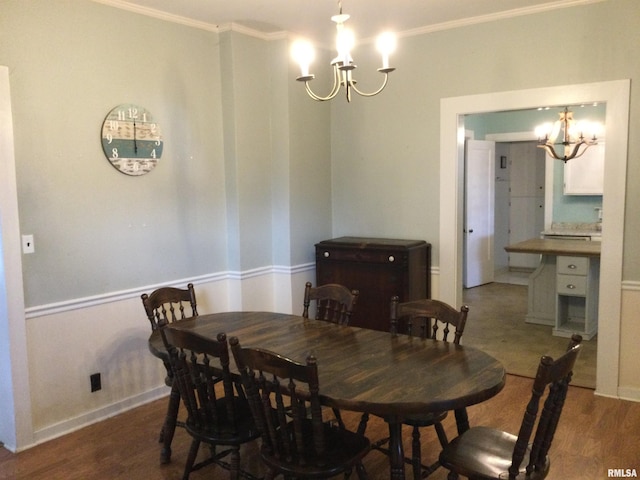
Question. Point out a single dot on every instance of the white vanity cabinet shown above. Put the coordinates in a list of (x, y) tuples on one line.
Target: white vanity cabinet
[(577, 281)]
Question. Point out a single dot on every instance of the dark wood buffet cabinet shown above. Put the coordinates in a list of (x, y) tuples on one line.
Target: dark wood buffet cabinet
[(379, 268)]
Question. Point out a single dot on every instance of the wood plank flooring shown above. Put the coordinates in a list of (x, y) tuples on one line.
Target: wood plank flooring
[(595, 434)]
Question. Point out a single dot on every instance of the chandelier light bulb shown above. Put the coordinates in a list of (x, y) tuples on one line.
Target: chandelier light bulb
[(544, 130), (303, 53), (345, 41), (386, 45)]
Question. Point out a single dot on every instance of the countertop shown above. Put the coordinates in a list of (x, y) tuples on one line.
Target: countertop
[(547, 246), (572, 229)]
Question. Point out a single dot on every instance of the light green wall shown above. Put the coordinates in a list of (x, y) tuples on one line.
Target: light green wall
[(97, 230), (244, 179), (226, 195), (386, 150)]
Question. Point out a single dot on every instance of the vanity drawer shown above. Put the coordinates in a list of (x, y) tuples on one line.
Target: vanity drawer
[(572, 265), (571, 285)]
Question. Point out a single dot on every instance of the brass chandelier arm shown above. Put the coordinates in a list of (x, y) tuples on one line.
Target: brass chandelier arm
[(334, 90), (574, 152), (352, 84), (343, 77)]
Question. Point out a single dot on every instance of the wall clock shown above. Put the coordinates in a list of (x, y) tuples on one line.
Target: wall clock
[(131, 139)]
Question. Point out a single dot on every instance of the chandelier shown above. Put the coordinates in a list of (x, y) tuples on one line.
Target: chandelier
[(343, 65), (576, 137)]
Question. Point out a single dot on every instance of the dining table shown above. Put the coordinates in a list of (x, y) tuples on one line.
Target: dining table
[(364, 370)]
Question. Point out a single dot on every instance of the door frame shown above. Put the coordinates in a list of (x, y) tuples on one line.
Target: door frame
[(616, 95), (16, 427)]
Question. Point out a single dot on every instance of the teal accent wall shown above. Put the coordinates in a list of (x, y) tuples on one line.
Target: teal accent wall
[(566, 208)]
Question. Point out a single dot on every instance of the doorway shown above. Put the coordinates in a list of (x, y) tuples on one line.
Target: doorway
[(616, 96)]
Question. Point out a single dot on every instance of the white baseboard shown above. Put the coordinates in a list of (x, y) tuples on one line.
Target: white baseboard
[(629, 393), (76, 423)]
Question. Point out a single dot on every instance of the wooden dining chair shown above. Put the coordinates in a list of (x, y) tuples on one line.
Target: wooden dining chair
[(425, 318), (169, 304), (163, 306), (301, 445), (488, 453), (334, 302), (216, 415)]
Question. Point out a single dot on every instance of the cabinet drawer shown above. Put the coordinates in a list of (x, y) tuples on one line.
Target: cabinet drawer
[(573, 265), (571, 285), (390, 257)]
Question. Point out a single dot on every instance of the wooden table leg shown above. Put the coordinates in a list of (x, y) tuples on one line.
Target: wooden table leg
[(396, 451)]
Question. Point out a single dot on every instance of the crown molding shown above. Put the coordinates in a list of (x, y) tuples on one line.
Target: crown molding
[(517, 12), (151, 12), (492, 17)]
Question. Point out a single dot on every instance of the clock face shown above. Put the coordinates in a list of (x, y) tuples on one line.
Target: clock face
[(131, 139)]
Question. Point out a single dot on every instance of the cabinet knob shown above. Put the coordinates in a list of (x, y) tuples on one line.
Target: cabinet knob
[(325, 254), (571, 286), (391, 258), (572, 266)]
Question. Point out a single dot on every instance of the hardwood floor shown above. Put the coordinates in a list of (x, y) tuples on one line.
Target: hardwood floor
[(595, 434)]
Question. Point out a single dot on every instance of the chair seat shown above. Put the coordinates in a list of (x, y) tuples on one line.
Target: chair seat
[(343, 448), (485, 453), (227, 433)]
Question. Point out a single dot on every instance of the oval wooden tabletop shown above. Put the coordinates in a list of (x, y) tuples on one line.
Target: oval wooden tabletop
[(360, 369)]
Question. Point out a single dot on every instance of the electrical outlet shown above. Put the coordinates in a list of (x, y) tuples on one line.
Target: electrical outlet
[(96, 382)]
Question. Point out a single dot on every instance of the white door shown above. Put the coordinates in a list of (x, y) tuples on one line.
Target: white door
[(527, 164), (479, 212)]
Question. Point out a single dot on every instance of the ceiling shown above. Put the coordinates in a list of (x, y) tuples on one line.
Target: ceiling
[(311, 18)]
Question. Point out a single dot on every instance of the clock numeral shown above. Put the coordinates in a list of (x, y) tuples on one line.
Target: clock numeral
[(153, 153), (157, 142), (114, 153), (153, 127), (133, 112), (144, 116), (113, 124), (109, 138), (121, 115)]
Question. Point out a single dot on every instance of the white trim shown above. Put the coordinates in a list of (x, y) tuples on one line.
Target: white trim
[(154, 13), (15, 422), (94, 300), (627, 393), (616, 96), (511, 137), (89, 418), (464, 22), (631, 286), (492, 17)]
